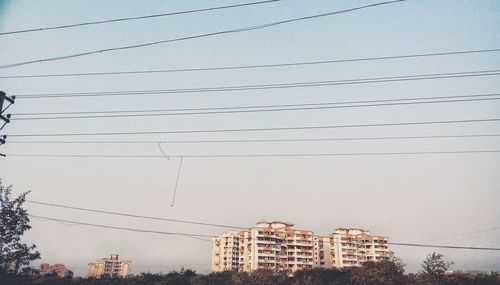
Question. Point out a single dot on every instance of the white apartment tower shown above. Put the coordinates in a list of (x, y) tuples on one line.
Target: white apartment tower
[(352, 247), (225, 256), (278, 245), (323, 254), (109, 267)]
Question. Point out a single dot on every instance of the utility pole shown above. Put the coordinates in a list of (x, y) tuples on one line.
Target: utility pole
[(4, 118), (3, 98)]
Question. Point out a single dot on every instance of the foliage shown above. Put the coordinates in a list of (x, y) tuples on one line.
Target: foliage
[(371, 273), (14, 221), (382, 273), (434, 268)]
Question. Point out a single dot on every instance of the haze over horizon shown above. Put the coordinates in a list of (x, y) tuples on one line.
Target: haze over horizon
[(430, 198)]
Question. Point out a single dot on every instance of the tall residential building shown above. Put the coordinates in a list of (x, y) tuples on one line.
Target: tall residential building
[(278, 246), (109, 266), (323, 256), (225, 256), (352, 247), (270, 245)]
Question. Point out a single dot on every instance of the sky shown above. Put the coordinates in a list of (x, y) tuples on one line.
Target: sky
[(409, 198)]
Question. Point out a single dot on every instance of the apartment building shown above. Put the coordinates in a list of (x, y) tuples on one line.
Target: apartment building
[(323, 255), (273, 245), (353, 246), (110, 267), (278, 245), (59, 269), (225, 252)]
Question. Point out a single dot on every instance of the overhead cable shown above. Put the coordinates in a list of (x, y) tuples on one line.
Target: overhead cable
[(87, 112), (135, 18), (213, 236), (123, 228), (259, 140), (236, 67), (132, 215), (365, 125), (233, 111), (231, 31), (257, 155), (401, 78)]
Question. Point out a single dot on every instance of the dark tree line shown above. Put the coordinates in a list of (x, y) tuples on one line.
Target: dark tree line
[(15, 256), (371, 273)]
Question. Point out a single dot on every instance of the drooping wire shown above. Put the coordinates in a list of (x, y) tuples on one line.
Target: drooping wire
[(123, 214), (177, 181), (212, 236)]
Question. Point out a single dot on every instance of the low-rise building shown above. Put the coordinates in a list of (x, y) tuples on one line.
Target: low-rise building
[(109, 267), (59, 269)]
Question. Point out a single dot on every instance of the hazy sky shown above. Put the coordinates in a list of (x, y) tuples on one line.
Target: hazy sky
[(408, 198)]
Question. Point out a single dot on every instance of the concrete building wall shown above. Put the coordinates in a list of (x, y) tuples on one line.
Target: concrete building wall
[(109, 266), (279, 246), (225, 252)]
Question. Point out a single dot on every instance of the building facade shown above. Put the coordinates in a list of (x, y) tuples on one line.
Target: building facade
[(225, 255), (109, 267), (275, 245), (352, 247), (59, 269), (278, 245)]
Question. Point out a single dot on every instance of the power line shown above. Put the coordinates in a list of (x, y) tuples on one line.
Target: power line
[(449, 75), (236, 67), (248, 111), (464, 234), (73, 224), (132, 215), (193, 222), (77, 224), (259, 129), (257, 155), (136, 18), (258, 106), (212, 236), (123, 228), (444, 246), (261, 140), (238, 30)]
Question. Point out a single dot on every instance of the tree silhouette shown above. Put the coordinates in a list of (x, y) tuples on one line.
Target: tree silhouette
[(14, 221)]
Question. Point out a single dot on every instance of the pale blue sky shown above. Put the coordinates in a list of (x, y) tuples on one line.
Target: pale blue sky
[(408, 198)]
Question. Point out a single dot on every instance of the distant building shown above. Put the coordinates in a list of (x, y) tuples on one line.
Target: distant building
[(270, 245), (225, 252), (109, 267), (323, 254), (10, 267), (58, 269), (352, 247), (279, 246)]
